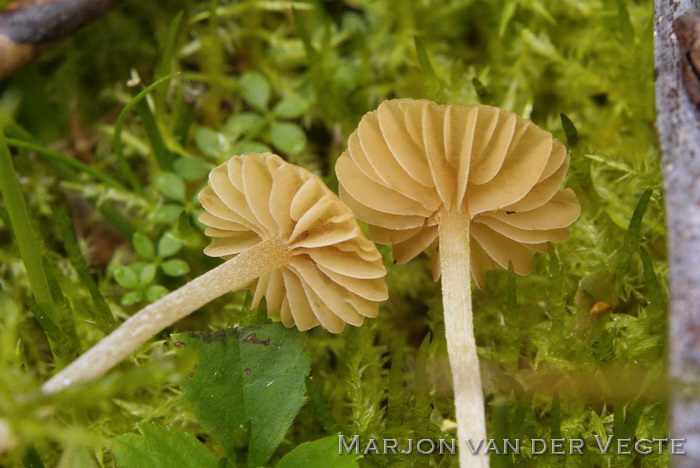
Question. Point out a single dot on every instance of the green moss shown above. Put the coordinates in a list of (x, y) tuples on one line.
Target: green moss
[(551, 365)]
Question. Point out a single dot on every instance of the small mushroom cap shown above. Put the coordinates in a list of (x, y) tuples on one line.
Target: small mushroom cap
[(410, 160), (334, 275)]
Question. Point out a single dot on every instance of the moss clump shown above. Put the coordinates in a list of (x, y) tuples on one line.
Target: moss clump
[(552, 363)]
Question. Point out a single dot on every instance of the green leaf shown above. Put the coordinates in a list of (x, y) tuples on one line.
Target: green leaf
[(633, 235), (479, 87), (569, 130), (144, 246), (245, 124), (32, 459), (160, 447), (255, 90), (168, 214), (191, 168), (147, 274), (596, 286), (132, 298), (168, 245), (421, 402), (126, 277), (210, 142), (175, 267), (171, 185), (246, 378), (424, 58), (291, 107), (623, 20), (322, 453), (288, 137), (321, 408), (156, 292), (657, 299), (252, 147)]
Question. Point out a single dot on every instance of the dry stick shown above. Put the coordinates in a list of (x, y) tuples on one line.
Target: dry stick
[(232, 275), (678, 123), (27, 28), (453, 230)]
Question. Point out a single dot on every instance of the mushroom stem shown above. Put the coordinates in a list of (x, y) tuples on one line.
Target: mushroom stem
[(461, 346), (230, 276)]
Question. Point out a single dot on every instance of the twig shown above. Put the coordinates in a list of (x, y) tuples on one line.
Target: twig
[(678, 123), (28, 26)]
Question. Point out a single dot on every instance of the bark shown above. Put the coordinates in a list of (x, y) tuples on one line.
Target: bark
[(27, 27), (678, 124)]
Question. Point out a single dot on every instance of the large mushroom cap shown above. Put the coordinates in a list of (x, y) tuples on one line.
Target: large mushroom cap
[(410, 160), (334, 274)]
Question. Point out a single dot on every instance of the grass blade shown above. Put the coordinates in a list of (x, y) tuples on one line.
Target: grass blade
[(633, 236), (150, 126), (63, 159), (25, 235), (103, 315), (119, 127)]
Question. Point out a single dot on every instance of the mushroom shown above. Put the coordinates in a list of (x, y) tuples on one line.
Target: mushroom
[(478, 184), (284, 233)]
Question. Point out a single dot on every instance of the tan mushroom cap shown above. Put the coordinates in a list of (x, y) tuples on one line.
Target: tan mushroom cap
[(410, 160), (334, 275)]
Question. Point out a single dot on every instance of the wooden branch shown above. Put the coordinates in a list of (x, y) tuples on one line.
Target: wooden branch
[(678, 124), (28, 26)]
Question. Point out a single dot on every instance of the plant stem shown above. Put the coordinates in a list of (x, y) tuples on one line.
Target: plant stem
[(461, 345), (232, 275)]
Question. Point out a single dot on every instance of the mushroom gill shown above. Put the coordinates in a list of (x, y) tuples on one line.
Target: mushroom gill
[(334, 274), (411, 160)]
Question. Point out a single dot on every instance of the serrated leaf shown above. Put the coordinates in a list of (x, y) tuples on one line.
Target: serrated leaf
[(126, 277), (288, 137), (246, 378), (255, 90), (160, 447), (171, 185), (191, 168), (175, 267), (168, 245), (291, 107), (322, 453), (144, 246)]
